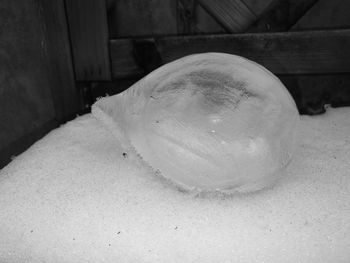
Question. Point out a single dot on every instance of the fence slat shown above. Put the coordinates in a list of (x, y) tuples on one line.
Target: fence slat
[(87, 21), (307, 52)]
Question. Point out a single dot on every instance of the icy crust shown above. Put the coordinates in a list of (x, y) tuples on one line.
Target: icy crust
[(211, 122)]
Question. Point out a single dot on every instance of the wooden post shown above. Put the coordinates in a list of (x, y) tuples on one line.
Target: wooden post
[(88, 27), (59, 59), (37, 89)]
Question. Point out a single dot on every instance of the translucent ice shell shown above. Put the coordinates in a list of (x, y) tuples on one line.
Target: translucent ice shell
[(209, 121)]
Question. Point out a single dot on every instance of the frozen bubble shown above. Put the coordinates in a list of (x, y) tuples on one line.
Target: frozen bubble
[(208, 122)]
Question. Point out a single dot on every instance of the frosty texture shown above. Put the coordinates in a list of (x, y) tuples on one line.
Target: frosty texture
[(209, 121)]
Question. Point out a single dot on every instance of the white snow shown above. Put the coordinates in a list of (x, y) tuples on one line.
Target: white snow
[(74, 197)]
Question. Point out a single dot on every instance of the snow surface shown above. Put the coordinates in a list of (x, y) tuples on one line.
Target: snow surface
[(75, 197)]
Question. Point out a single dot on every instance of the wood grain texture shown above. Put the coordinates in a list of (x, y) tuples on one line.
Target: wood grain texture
[(326, 14), (259, 6), (234, 15), (205, 23), (57, 47), (142, 17), (123, 60), (281, 15), (311, 52), (88, 27), (25, 96)]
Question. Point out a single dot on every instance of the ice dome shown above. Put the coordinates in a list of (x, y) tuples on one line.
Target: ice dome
[(207, 122)]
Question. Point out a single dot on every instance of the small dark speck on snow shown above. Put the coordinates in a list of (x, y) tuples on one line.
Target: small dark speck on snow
[(118, 233), (125, 154)]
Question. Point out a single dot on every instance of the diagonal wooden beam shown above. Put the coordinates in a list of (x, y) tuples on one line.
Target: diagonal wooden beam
[(235, 15), (259, 6), (325, 14), (281, 15)]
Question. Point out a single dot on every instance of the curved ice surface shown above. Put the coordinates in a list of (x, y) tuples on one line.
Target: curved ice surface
[(209, 121)]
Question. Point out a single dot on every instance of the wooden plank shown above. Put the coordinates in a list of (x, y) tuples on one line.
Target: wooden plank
[(259, 6), (281, 16), (326, 14), (186, 17), (123, 62), (129, 18), (234, 15), (192, 18), (205, 23), (59, 59), (310, 52), (87, 20), (146, 54), (25, 96)]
